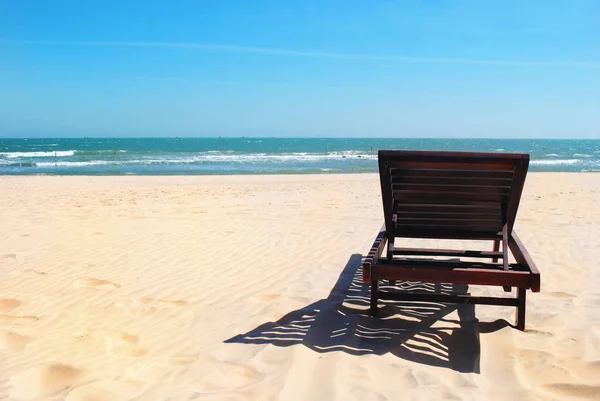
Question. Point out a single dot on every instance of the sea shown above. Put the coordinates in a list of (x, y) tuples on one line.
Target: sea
[(214, 156)]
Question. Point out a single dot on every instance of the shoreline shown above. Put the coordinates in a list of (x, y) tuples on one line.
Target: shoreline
[(344, 173)]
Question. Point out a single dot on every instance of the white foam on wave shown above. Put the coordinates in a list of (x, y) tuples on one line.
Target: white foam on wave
[(59, 153), (582, 155), (556, 162), (255, 158), (75, 164)]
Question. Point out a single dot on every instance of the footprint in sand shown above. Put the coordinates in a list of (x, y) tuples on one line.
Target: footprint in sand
[(37, 272), (541, 367), (560, 294), (120, 343), (9, 256), (43, 381), (89, 282), (582, 391), (8, 304), (233, 353), (105, 390), (228, 377), (147, 306), (182, 360), (135, 308), (267, 298), (270, 358), (164, 302), (18, 319), (539, 333), (12, 341)]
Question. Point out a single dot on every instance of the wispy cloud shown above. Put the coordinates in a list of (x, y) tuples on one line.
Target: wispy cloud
[(303, 53)]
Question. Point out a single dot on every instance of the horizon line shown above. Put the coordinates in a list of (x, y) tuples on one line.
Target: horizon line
[(297, 137), (303, 53)]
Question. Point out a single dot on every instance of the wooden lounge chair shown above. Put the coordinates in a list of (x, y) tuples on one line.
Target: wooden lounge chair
[(451, 195)]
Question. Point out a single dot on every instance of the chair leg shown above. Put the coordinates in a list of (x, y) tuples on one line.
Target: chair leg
[(390, 256), (390, 249), (495, 260), (521, 301), (373, 297), (496, 249)]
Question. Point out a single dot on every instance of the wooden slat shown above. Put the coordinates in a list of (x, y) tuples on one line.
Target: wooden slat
[(443, 234), (444, 264), (452, 174), (433, 230), (448, 155), (417, 196), (442, 189), (449, 298), (451, 165), (466, 225), (459, 214), (455, 275), (433, 201), (455, 208), (448, 219), (446, 252), (406, 178), (470, 226)]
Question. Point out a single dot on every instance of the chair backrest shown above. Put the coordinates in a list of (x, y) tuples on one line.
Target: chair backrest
[(458, 195)]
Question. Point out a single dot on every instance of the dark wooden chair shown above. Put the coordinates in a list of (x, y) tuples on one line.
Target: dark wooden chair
[(451, 195)]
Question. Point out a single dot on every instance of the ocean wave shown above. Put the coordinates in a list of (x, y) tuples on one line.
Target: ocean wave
[(218, 152), (555, 162), (552, 155), (284, 157), (97, 152), (75, 164), (69, 159), (17, 164), (58, 153), (582, 155), (255, 158)]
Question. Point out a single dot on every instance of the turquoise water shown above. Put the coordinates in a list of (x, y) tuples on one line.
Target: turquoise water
[(189, 156)]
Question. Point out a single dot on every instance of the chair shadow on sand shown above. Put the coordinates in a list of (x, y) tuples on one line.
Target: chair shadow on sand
[(341, 322)]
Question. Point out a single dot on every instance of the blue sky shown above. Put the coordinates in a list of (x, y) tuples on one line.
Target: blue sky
[(300, 68)]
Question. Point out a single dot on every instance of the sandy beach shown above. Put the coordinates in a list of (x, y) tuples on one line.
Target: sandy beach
[(248, 288)]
